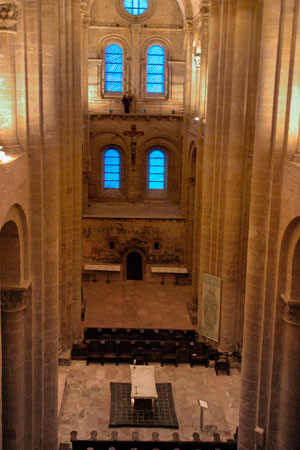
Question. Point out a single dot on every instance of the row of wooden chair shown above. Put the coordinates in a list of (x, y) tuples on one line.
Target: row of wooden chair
[(144, 352), (173, 444), (143, 334)]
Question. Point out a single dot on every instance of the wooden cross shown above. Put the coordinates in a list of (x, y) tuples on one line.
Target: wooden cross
[(133, 133)]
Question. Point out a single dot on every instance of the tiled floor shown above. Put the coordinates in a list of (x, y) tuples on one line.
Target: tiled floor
[(136, 304), (86, 401)]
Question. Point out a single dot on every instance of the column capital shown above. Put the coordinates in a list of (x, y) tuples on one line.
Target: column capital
[(8, 16), (84, 12), (188, 25), (13, 299), (291, 311), (204, 10)]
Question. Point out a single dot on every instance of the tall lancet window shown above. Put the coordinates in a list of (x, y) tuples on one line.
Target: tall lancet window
[(156, 170), (111, 169), (113, 68), (156, 70)]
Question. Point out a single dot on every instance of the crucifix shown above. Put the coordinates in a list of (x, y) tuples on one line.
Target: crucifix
[(133, 133)]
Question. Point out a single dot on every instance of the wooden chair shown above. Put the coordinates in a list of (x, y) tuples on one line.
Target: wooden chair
[(91, 334), (222, 363), (179, 335), (140, 352), (199, 354), (125, 351), (110, 352), (168, 353), (94, 352), (154, 351), (164, 335), (135, 334), (183, 352)]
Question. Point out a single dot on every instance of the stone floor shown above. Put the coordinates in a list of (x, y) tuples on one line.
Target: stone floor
[(86, 401), (136, 304)]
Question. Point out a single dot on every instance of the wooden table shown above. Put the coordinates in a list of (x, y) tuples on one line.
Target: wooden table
[(143, 389)]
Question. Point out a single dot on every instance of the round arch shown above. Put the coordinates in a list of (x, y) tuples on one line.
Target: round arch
[(192, 160), (290, 244), (16, 215), (142, 256), (173, 168), (113, 39)]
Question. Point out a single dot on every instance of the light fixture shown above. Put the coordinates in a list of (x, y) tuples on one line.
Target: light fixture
[(3, 157), (196, 118)]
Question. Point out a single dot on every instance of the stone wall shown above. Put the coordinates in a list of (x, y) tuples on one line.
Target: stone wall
[(134, 35), (161, 241), (158, 132)]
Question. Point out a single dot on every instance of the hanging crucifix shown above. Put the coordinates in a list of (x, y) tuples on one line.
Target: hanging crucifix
[(133, 133)]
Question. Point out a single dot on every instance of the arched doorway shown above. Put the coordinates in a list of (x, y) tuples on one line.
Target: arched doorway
[(134, 266)]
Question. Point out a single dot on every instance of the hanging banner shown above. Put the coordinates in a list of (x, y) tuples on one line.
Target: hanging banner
[(211, 307)]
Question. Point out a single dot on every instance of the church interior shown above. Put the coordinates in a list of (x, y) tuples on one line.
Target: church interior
[(150, 180)]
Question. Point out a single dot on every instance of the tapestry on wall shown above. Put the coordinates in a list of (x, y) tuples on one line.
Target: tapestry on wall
[(211, 307)]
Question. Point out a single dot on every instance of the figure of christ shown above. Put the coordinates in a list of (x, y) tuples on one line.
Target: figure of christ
[(133, 133)]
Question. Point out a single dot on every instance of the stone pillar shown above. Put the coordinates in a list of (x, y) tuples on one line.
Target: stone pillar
[(8, 109), (71, 172), (190, 218), (230, 27), (86, 160), (289, 406), (43, 99), (258, 398), (232, 265), (77, 171), (189, 36), (13, 304), (204, 11), (135, 49)]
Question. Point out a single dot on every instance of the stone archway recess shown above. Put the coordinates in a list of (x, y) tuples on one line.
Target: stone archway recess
[(134, 266)]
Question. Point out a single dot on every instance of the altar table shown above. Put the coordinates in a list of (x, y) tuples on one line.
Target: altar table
[(143, 389)]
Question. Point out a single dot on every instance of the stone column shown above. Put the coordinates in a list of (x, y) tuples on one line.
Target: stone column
[(204, 11), (135, 49), (231, 261), (71, 172), (77, 171), (86, 160), (8, 105), (189, 36), (13, 304), (271, 89), (289, 407)]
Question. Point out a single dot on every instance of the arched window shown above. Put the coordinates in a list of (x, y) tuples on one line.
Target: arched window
[(156, 70), (113, 68), (136, 7), (111, 169), (156, 170)]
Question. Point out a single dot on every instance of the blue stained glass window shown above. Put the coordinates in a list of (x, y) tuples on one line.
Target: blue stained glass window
[(156, 69), (136, 7), (156, 175), (111, 169), (113, 68)]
